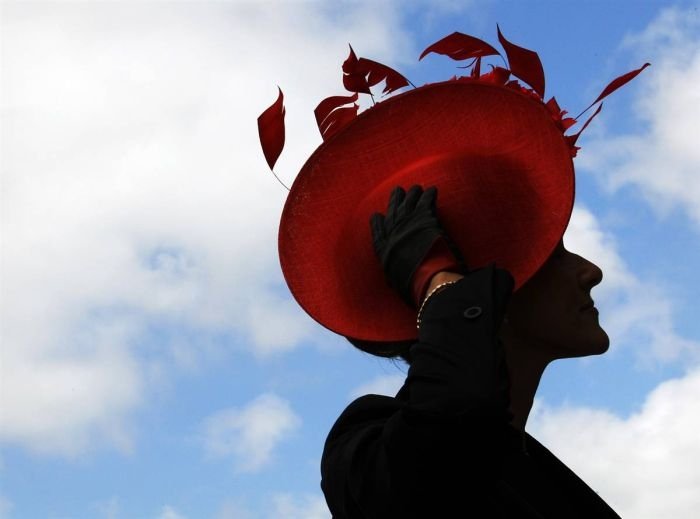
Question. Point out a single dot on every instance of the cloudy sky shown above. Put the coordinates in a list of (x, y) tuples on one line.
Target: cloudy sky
[(154, 364)]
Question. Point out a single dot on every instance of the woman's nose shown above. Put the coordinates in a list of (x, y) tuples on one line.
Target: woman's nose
[(590, 274)]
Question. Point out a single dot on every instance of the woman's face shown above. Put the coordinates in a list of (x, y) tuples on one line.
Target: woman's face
[(554, 310)]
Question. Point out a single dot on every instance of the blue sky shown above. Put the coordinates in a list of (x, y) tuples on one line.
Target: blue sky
[(154, 364)]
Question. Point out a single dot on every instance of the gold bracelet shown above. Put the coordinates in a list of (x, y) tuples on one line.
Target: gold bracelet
[(434, 290)]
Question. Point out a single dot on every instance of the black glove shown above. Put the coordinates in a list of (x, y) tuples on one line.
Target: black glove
[(403, 237)]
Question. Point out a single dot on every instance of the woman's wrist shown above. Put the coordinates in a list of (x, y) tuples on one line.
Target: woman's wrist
[(442, 277), (437, 283)]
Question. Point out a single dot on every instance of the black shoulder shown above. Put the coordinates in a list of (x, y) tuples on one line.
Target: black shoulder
[(363, 411)]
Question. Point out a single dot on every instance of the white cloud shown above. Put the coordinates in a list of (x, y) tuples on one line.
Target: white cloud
[(662, 159), (634, 314), (287, 506), (55, 402), (135, 194), (644, 466), (380, 385), (250, 434), (168, 512)]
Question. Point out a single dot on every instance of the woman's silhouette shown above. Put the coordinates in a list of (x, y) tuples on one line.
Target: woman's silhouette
[(476, 292), (453, 443)]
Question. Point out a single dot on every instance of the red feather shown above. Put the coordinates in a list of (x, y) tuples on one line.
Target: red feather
[(564, 123), (476, 70), (271, 130), (336, 120), (567, 122), (354, 79), (617, 83), (498, 75), (356, 83), (378, 72), (524, 64), (325, 107), (362, 73), (571, 139), (460, 46), (553, 106), (350, 63)]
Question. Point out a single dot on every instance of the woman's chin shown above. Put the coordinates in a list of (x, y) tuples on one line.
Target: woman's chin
[(596, 343), (602, 346)]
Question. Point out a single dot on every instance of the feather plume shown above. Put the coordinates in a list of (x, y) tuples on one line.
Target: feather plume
[(361, 74), (615, 84), (325, 107), (271, 130), (337, 120), (524, 64), (460, 46)]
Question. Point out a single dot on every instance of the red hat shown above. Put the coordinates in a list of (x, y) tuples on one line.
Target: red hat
[(495, 151)]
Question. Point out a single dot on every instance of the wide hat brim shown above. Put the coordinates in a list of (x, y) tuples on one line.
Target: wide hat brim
[(505, 182)]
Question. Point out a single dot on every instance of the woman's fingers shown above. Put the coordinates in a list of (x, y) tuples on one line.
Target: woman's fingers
[(376, 223), (428, 200), (409, 203), (397, 196)]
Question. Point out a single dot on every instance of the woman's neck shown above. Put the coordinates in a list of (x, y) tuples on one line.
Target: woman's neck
[(525, 368)]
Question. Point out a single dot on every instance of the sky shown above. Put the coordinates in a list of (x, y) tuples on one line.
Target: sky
[(153, 362)]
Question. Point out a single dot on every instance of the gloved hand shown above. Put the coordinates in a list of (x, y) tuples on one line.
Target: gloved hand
[(403, 237)]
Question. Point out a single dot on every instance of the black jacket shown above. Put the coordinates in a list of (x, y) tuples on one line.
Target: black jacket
[(444, 447)]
